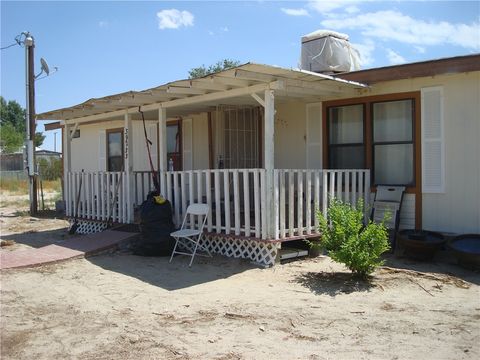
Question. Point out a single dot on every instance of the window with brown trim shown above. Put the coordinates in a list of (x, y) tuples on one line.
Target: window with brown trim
[(377, 133), (115, 150)]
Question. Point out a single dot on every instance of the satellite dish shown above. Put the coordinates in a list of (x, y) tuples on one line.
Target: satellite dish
[(44, 66)]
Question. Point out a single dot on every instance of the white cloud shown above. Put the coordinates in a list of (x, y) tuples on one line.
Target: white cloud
[(420, 49), (326, 7), (225, 29), (395, 58), (366, 50), (393, 25), (352, 9), (173, 19), (295, 12), (211, 33), (103, 24)]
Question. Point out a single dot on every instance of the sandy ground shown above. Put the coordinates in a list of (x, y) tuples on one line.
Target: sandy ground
[(121, 306), (22, 231)]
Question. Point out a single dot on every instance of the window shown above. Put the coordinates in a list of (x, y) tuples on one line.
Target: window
[(376, 133), (241, 138), (393, 155), (115, 150), (346, 137)]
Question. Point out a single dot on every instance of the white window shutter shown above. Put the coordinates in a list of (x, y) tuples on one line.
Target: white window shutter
[(314, 136), (102, 150), (187, 141), (433, 143), (152, 134)]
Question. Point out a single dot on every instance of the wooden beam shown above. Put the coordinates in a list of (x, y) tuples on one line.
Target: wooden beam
[(219, 95), (230, 81), (269, 156), (162, 139), (191, 100), (259, 99), (250, 75), (128, 165), (329, 87), (185, 90), (206, 84)]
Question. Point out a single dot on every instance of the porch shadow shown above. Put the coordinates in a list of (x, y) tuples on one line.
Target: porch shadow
[(157, 271), (38, 239)]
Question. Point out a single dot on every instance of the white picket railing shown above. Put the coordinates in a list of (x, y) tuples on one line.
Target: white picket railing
[(300, 194), (102, 196), (237, 197)]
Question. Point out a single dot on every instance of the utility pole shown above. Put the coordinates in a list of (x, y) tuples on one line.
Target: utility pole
[(30, 120)]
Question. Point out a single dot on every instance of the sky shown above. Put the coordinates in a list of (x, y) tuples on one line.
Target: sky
[(104, 48)]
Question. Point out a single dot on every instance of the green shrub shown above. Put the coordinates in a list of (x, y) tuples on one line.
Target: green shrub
[(50, 169), (349, 242)]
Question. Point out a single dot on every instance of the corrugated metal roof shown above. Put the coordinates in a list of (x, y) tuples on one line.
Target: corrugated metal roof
[(228, 87)]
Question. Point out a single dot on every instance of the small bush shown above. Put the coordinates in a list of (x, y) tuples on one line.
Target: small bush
[(50, 169), (349, 242)]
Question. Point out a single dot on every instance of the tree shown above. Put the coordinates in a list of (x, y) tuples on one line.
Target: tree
[(12, 126), (202, 71)]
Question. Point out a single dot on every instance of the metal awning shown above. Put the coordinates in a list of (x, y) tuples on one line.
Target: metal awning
[(236, 86)]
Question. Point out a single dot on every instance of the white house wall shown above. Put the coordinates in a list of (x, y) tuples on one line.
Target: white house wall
[(290, 136), (200, 141), (458, 209), (85, 149)]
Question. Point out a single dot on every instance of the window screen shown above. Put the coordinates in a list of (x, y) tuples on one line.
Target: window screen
[(346, 137), (393, 149)]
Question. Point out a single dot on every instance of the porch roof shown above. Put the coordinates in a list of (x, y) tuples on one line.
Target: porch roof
[(236, 86)]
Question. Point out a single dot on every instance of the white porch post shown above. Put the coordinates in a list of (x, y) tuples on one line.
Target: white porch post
[(162, 147), (128, 167), (67, 167), (269, 157)]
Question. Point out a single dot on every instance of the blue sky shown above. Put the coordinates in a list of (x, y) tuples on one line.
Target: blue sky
[(102, 48)]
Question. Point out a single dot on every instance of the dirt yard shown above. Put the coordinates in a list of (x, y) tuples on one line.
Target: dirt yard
[(120, 306)]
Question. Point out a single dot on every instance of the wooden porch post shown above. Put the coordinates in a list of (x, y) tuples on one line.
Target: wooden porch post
[(269, 157), (67, 167), (128, 167), (162, 147)]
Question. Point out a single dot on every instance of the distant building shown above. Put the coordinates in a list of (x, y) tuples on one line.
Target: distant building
[(14, 161)]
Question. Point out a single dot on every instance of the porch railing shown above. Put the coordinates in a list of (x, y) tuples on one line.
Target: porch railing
[(102, 196), (300, 194), (237, 197)]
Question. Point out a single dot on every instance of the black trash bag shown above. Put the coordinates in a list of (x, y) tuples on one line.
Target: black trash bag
[(156, 224)]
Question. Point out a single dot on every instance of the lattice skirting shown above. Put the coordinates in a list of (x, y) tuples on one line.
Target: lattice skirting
[(89, 226), (260, 252)]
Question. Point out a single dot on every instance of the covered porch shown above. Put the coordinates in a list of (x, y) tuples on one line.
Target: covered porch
[(264, 199)]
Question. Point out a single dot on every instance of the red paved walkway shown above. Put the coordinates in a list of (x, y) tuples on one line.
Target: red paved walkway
[(80, 246)]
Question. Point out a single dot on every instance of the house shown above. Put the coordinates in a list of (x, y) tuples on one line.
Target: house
[(48, 155), (266, 147)]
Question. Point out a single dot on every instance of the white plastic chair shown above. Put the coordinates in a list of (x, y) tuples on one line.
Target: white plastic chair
[(189, 237)]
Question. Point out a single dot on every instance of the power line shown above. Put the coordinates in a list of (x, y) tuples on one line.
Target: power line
[(9, 46), (18, 41)]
